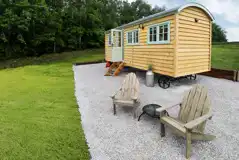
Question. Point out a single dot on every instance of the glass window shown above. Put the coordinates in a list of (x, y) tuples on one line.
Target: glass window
[(109, 39), (136, 36), (165, 32), (119, 39), (150, 34), (159, 33), (153, 34), (165, 36), (130, 37), (166, 28), (133, 37)]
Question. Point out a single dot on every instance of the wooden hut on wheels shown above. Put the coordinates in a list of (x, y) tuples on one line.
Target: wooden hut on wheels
[(176, 42)]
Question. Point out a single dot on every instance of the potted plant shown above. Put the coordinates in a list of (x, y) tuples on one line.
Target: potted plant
[(150, 67), (150, 76)]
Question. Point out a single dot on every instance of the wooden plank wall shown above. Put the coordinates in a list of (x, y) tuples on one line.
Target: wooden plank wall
[(161, 56), (194, 42), (108, 49)]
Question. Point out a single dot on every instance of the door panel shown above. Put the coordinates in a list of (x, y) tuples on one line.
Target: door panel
[(117, 49)]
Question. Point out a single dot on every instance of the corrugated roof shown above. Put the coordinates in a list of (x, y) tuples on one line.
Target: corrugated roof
[(167, 13)]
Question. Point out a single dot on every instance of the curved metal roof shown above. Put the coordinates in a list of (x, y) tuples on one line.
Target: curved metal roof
[(196, 5), (167, 13)]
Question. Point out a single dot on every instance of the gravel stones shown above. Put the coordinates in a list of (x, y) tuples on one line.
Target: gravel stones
[(121, 137)]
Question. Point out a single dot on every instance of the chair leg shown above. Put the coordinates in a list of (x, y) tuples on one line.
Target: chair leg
[(162, 129), (114, 109), (134, 111), (141, 115), (162, 126), (188, 144)]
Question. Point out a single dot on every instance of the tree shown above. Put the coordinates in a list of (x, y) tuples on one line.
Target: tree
[(157, 9), (218, 33), (136, 10)]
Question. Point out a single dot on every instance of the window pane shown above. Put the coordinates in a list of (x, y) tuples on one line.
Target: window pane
[(161, 29), (165, 36), (160, 37), (154, 38), (166, 28), (150, 38), (155, 30), (119, 39), (130, 37), (136, 36), (109, 39), (151, 31)]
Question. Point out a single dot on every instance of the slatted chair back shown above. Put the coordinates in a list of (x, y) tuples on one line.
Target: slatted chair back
[(195, 104), (129, 88)]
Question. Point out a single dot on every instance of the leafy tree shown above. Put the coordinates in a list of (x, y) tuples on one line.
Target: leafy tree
[(218, 33)]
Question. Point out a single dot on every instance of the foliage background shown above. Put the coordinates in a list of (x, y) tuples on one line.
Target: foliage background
[(36, 27)]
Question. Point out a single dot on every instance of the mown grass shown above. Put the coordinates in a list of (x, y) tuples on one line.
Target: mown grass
[(225, 56), (52, 58), (39, 117)]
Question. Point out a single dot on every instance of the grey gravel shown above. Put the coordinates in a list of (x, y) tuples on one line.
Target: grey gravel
[(121, 137)]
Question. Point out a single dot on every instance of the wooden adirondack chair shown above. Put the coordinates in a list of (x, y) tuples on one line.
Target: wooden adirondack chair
[(128, 94), (192, 117)]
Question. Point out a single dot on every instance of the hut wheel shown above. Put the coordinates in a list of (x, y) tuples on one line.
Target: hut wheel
[(164, 82), (192, 77)]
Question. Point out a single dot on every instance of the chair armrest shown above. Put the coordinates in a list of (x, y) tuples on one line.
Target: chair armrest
[(113, 96), (134, 98), (194, 123), (161, 109)]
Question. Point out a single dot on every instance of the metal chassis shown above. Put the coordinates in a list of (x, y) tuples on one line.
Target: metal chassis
[(165, 81)]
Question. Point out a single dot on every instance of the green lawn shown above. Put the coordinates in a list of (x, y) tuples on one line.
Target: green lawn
[(225, 56), (39, 117)]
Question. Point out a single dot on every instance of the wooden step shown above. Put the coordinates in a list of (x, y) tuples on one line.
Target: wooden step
[(120, 67), (115, 67)]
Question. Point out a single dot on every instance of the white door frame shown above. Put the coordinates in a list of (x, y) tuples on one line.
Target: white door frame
[(117, 51)]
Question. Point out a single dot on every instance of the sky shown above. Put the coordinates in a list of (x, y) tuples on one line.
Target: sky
[(225, 12)]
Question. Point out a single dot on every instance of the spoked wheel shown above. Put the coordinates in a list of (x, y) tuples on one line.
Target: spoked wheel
[(192, 77), (164, 82)]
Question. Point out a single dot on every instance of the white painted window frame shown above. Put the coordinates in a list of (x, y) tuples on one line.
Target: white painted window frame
[(110, 39), (133, 37), (157, 34)]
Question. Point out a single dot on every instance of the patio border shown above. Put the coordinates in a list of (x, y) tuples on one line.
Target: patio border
[(85, 63), (221, 73), (216, 73)]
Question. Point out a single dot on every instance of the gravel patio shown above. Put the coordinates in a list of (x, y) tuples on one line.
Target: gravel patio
[(121, 137)]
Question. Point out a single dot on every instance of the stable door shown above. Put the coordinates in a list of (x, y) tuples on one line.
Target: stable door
[(117, 45)]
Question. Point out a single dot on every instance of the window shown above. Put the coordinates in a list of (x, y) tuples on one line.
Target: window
[(109, 39), (136, 36), (133, 37), (153, 34), (119, 39), (130, 37), (159, 33)]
